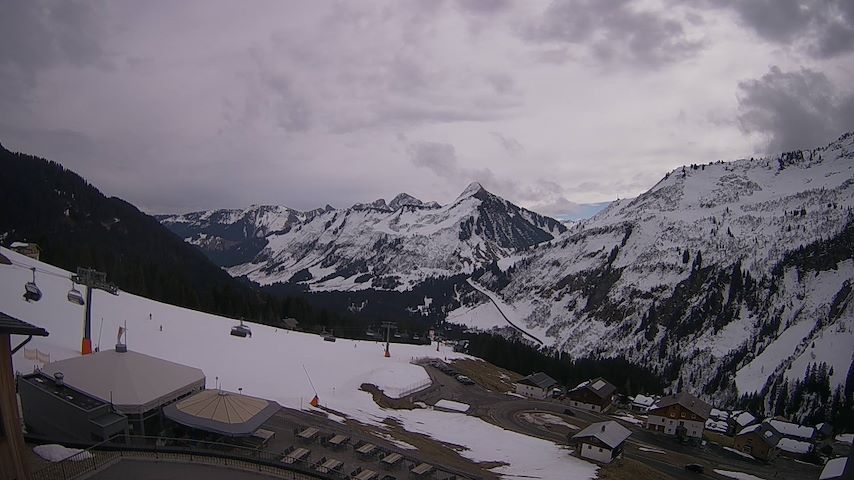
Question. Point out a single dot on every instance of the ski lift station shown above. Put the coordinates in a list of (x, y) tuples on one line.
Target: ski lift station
[(98, 395)]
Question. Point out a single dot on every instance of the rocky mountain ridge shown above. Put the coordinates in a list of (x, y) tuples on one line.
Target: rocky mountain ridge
[(380, 245)]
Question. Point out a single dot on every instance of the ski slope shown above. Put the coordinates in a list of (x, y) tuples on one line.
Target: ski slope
[(271, 364)]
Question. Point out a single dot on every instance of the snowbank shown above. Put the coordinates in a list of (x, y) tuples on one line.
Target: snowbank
[(452, 405), (53, 452), (737, 475)]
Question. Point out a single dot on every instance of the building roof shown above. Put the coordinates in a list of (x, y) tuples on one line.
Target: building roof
[(10, 325), (743, 418), (834, 468), (794, 446), (789, 429), (539, 379), (599, 386), (642, 400), (67, 394), (132, 381), (222, 412), (686, 400), (610, 433)]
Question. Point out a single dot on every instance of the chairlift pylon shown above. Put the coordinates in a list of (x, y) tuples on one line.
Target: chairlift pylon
[(74, 295), (32, 293)]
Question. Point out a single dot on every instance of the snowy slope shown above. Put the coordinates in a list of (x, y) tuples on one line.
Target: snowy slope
[(378, 245), (270, 365), (702, 273)]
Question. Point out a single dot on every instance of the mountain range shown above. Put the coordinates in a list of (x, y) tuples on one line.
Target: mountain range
[(731, 278), (379, 245)]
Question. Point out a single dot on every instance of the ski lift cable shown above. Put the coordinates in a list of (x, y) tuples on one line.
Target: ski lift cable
[(309, 379)]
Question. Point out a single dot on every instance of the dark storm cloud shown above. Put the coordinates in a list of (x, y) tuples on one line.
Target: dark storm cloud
[(614, 31), (825, 28), (794, 110)]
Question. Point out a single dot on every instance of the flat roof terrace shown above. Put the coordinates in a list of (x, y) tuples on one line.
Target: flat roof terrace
[(66, 393)]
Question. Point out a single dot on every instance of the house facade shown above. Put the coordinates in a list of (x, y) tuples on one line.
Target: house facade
[(760, 441), (595, 395), (681, 414), (601, 441), (537, 385)]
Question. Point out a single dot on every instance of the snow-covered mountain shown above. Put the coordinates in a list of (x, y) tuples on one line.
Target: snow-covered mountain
[(380, 245), (730, 277)]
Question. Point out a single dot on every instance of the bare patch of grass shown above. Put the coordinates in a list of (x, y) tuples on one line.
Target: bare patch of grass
[(487, 375)]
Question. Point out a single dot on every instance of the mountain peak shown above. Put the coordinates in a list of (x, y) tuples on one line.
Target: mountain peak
[(403, 199), (472, 190)]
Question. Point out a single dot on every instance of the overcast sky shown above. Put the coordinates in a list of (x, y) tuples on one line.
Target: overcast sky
[(178, 106)]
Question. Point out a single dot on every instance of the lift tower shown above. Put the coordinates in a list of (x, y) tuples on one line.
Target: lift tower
[(91, 279)]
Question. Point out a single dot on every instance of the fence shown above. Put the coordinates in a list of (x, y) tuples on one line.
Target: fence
[(399, 392), (110, 451), (36, 355)]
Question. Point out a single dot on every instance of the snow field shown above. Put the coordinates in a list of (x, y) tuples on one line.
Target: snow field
[(275, 364)]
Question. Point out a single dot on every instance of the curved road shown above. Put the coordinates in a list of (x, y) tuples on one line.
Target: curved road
[(489, 296)]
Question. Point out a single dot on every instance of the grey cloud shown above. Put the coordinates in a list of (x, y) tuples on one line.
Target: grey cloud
[(483, 6), (440, 158), (614, 30), (509, 144), (824, 28), (36, 34), (794, 110)]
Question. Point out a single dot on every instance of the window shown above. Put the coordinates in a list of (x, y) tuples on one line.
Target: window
[(683, 415), (589, 447)]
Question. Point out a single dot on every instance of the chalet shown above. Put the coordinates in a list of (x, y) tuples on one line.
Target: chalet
[(537, 385), (31, 250), (641, 403), (594, 395), (759, 440), (792, 430), (740, 419), (680, 414), (601, 441)]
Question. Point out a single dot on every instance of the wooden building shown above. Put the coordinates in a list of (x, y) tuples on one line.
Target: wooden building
[(595, 395), (681, 414), (13, 466), (758, 440)]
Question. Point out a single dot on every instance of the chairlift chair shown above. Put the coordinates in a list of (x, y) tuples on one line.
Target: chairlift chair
[(74, 295), (32, 293), (241, 330)]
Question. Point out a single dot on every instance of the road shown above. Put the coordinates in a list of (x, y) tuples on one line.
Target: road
[(489, 295)]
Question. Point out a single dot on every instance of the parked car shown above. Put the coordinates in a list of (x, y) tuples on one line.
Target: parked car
[(464, 380), (694, 467)]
